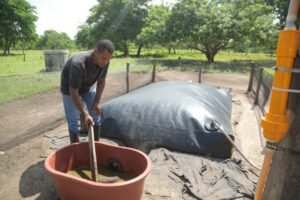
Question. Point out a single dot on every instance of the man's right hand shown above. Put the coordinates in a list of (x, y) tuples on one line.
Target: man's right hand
[(77, 101), (88, 121)]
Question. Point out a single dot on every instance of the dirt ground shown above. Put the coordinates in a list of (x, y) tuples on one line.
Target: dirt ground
[(27, 124)]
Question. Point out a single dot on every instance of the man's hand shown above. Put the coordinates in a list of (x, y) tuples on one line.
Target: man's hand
[(88, 120), (97, 108)]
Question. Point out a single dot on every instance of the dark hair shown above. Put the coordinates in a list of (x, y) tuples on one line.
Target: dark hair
[(105, 44)]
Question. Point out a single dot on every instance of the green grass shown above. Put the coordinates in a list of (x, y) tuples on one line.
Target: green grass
[(193, 54), (191, 60), (16, 87), (14, 64), (269, 70), (136, 65), (20, 78)]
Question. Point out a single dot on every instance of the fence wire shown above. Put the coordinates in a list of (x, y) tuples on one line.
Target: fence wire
[(261, 87), (41, 96), (31, 103)]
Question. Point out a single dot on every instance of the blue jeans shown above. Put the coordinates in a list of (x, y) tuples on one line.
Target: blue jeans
[(73, 114)]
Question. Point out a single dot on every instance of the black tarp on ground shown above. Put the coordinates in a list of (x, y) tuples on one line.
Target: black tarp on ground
[(180, 176), (174, 115)]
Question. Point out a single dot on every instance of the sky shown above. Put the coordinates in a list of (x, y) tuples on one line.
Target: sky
[(65, 15)]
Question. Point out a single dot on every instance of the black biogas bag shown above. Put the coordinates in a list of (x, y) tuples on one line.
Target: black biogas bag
[(180, 116)]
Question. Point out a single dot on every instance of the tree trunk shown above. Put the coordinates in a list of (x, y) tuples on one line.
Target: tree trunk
[(169, 50), (174, 50), (6, 51), (7, 44), (138, 54), (283, 181), (125, 48), (210, 54), (24, 56), (126, 52), (210, 57)]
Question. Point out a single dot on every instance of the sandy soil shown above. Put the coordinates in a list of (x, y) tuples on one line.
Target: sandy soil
[(27, 124)]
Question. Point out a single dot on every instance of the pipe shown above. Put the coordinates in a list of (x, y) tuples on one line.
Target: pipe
[(292, 15), (264, 173), (275, 123), (236, 147)]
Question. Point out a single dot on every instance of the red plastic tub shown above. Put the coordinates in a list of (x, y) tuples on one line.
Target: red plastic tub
[(76, 155)]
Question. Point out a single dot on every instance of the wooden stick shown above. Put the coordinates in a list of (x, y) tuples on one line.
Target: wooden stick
[(259, 82), (154, 70), (93, 157), (252, 67), (200, 74), (127, 77)]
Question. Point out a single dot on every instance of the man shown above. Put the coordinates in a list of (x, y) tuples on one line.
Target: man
[(78, 78)]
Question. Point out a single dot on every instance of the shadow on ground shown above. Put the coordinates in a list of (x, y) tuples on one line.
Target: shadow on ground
[(36, 181)]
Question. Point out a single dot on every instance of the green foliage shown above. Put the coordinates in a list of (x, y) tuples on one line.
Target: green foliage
[(83, 38), (254, 25), (207, 26), (281, 8), (117, 20), (154, 29), (212, 25), (54, 40), (20, 79), (17, 23)]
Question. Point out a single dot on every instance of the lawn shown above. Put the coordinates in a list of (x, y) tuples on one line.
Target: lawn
[(14, 64), (16, 87), (19, 78)]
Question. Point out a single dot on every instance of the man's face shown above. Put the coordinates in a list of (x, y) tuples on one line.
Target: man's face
[(103, 58)]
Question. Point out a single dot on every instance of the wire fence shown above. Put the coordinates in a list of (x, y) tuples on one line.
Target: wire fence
[(43, 99), (132, 75), (129, 77), (31, 104), (260, 84)]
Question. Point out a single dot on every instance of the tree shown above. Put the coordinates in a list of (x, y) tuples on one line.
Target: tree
[(281, 8), (154, 29), (118, 20), (84, 37), (254, 24), (212, 25), (54, 40), (271, 41), (17, 19)]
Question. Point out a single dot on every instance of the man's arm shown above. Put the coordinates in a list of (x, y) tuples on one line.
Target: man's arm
[(76, 100), (99, 92), (100, 89)]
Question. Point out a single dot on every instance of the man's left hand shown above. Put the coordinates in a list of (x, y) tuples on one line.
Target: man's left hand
[(97, 108)]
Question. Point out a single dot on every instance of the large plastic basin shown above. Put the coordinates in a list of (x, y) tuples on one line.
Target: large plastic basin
[(76, 155)]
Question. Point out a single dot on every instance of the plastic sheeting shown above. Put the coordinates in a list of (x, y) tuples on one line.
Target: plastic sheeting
[(189, 177), (175, 115)]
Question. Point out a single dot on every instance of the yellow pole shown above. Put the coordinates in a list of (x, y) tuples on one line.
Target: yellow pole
[(275, 123)]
